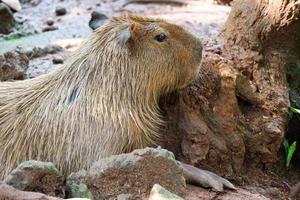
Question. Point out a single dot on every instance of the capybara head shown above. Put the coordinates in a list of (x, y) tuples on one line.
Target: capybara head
[(162, 55)]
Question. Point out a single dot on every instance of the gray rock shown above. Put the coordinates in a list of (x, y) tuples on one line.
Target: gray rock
[(9, 193), (13, 4), (49, 28), (49, 21), (37, 176), (124, 197), (35, 52), (58, 60), (75, 188), (160, 193), (7, 20), (60, 11), (13, 66), (133, 174), (52, 48), (42, 51)]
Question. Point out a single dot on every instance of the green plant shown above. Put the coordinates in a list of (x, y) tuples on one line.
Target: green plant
[(295, 110), (289, 151)]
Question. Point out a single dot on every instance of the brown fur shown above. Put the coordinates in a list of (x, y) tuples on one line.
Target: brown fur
[(103, 101)]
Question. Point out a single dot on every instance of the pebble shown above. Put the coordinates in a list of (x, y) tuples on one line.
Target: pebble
[(60, 11), (58, 60), (50, 21), (49, 28)]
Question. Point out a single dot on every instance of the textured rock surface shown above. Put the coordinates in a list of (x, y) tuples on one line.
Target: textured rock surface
[(9, 193), (7, 20), (160, 193), (134, 174), (37, 176), (13, 65), (196, 193)]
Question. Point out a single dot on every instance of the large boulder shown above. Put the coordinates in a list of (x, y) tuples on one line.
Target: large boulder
[(132, 175), (37, 176), (9, 193)]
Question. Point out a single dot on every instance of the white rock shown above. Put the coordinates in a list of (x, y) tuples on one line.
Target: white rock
[(160, 193), (13, 4)]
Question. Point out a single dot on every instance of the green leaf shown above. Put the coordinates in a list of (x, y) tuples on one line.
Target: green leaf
[(286, 146), (295, 110), (290, 154)]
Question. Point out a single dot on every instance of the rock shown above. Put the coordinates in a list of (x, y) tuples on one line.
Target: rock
[(38, 52), (49, 21), (295, 192), (58, 60), (133, 174), (160, 193), (197, 193), (49, 28), (53, 48), (270, 192), (59, 11), (42, 51), (9, 193), (13, 4), (13, 65), (75, 188), (124, 197), (37, 176), (7, 20), (224, 2)]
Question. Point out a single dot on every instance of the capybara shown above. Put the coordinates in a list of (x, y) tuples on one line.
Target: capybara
[(103, 100)]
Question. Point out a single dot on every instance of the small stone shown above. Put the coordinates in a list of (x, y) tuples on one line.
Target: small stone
[(50, 21), (123, 197), (79, 191), (28, 52), (13, 66), (160, 193), (37, 176), (60, 11), (58, 60), (37, 52), (52, 48), (49, 28)]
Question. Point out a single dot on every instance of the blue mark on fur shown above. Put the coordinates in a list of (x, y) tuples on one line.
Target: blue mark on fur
[(73, 95)]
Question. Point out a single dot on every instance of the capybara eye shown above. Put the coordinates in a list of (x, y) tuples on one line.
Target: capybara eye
[(161, 37)]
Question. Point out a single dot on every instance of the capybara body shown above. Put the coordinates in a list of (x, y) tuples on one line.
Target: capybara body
[(102, 101)]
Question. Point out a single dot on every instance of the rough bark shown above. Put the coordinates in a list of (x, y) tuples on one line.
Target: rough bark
[(237, 114)]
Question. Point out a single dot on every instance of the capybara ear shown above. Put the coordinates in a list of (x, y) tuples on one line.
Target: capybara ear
[(128, 33), (97, 20), (133, 27)]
